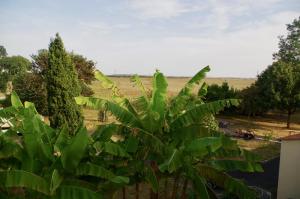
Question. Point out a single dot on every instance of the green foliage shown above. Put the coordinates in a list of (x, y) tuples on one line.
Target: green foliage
[(281, 87), (85, 89), (3, 52), (152, 144), (159, 138), (45, 163), (62, 87), (11, 68), (289, 46), (252, 101), (40, 62), (278, 86), (216, 92), (85, 68), (30, 87)]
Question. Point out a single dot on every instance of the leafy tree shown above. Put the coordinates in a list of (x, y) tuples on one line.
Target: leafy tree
[(170, 139), (289, 46), (216, 92), (3, 52), (11, 68), (279, 85), (30, 88), (252, 103), (62, 87), (36, 82), (40, 62), (286, 88), (85, 68)]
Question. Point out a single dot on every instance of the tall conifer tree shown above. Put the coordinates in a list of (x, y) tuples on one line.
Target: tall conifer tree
[(62, 87)]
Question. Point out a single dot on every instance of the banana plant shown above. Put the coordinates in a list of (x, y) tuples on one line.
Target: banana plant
[(161, 138), (40, 162)]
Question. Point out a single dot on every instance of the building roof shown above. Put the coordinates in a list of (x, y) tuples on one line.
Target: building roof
[(268, 179), (292, 137)]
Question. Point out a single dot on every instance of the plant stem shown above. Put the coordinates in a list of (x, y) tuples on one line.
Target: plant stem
[(151, 194), (124, 192), (165, 188), (137, 196), (183, 194), (156, 195), (175, 185)]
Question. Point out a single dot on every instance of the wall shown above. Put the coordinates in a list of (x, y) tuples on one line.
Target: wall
[(289, 170)]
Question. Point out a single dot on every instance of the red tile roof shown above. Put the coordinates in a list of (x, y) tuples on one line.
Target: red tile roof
[(292, 137)]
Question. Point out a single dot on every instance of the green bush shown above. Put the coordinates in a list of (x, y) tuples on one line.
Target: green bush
[(5, 102), (31, 87), (85, 89), (216, 92), (220, 92)]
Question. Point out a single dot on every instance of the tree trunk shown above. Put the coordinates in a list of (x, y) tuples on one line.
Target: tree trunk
[(175, 186), (124, 192), (137, 196), (289, 119), (166, 195), (183, 194), (151, 193)]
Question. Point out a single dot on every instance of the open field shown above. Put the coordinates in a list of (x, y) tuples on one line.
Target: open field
[(272, 126), (175, 84)]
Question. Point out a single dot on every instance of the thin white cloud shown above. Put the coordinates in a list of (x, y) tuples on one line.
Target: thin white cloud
[(98, 27), (162, 8), (224, 34)]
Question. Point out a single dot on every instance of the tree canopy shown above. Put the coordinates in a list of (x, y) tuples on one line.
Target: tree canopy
[(3, 52), (281, 87), (85, 68), (278, 87), (289, 46), (11, 68), (62, 87)]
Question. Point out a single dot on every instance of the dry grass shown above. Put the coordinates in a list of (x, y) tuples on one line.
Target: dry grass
[(174, 85), (272, 126), (128, 90)]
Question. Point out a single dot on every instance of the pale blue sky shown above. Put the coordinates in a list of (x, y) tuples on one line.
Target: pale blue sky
[(179, 37)]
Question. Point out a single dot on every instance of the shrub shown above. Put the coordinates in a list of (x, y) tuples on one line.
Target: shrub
[(216, 92), (31, 87)]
